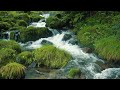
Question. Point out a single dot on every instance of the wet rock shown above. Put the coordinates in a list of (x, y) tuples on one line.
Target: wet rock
[(103, 65), (44, 42), (66, 37), (73, 42), (87, 50)]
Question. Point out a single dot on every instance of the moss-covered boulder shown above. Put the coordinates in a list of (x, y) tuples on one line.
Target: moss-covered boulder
[(34, 33), (51, 56), (45, 42), (4, 26), (7, 55), (25, 58), (13, 71), (22, 23), (10, 44), (55, 22)]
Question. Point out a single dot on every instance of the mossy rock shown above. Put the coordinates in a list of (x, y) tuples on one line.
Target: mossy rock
[(4, 26), (25, 58), (51, 56), (13, 71), (7, 55), (10, 44), (34, 33), (22, 23)]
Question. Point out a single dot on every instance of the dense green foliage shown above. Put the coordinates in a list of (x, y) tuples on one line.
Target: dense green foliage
[(25, 58), (10, 44), (7, 55), (13, 71), (51, 56)]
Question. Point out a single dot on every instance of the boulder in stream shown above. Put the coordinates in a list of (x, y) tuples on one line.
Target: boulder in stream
[(44, 42), (66, 37)]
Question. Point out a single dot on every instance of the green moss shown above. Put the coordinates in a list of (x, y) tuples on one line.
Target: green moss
[(51, 56), (13, 71), (25, 58), (54, 22), (22, 23), (22, 16), (4, 26), (33, 33), (7, 55), (74, 72), (108, 48), (10, 44)]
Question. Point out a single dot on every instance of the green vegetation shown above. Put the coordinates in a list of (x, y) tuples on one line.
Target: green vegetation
[(108, 48), (55, 22), (10, 44), (22, 23), (25, 58), (4, 26), (51, 56), (13, 71), (74, 72), (34, 33), (7, 55), (89, 34)]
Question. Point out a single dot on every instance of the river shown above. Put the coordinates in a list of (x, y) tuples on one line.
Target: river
[(86, 62)]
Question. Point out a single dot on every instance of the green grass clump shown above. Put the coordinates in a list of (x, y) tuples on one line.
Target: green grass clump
[(25, 58), (73, 72), (108, 48), (51, 56), (13, 71)]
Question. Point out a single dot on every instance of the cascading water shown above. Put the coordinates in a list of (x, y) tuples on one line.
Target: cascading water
[(86, 62)]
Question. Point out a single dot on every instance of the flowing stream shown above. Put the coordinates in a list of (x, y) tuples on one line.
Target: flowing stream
[(86, 62)]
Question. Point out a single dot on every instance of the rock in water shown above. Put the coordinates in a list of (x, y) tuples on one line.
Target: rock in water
[(87, 50), (67, 37), (73, 42), (44, 42)]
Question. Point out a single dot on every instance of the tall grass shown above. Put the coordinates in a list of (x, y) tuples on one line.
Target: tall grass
[(108, 48), (13, 71), (51, 56)]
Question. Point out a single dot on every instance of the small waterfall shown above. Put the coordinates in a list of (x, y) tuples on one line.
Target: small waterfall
[(6, 35)]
